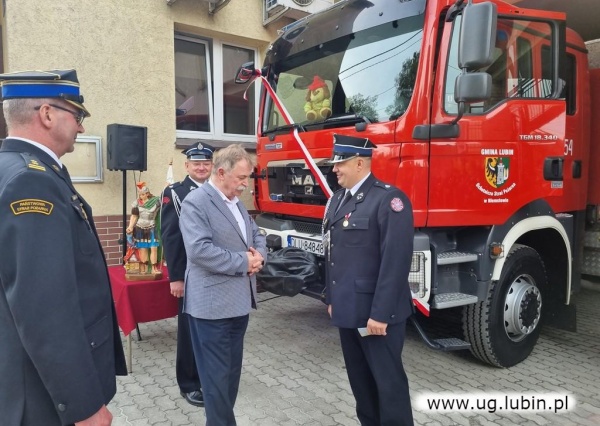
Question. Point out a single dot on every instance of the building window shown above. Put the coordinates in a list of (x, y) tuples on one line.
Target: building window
[(209, 105), (238, 114)]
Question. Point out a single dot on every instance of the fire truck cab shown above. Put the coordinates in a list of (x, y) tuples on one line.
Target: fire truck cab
[(481, 114)]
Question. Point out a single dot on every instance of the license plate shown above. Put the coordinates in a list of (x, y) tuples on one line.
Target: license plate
[(313, 246)]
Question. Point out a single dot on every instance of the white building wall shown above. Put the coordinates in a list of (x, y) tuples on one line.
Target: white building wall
[(594, 53)]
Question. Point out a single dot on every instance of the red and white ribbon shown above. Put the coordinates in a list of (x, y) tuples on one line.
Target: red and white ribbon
[(288, 119)]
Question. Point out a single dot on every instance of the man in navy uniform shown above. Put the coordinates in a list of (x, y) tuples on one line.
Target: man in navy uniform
[(368, 237), (198, 166), (60, 347)]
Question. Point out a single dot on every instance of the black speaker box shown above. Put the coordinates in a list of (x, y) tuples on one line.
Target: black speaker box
[(127, 147)]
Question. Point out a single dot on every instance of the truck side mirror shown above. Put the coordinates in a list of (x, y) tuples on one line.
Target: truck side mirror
[(473, 87), (477, 36), (245, 73)]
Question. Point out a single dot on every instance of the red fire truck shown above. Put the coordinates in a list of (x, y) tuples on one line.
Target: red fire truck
[(482, 114)]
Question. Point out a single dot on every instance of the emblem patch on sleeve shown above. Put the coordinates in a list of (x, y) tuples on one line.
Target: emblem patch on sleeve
[(396, 204), (31, 205)]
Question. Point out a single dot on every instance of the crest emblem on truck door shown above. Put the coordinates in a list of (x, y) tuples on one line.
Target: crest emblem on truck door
[(496, 170)]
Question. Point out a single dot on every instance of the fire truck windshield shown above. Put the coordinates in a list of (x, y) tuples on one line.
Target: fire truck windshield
[(369, 74)]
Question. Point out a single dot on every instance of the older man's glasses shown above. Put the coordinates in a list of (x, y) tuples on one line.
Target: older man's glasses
[(79, 115)]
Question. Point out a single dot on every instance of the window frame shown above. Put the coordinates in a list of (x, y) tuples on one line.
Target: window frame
[(214, 66)]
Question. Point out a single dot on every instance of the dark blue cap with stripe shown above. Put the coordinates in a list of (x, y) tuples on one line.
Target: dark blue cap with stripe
[(61, 84), (347, 147), (199, 152)]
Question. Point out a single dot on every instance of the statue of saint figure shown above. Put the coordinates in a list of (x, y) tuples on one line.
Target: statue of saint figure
[(143, 232)]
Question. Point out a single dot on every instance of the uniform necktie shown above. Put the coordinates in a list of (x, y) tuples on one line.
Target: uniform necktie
[(344, 201)]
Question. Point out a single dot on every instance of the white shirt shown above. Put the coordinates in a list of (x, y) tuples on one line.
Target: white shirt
[(233, 207), (355, 188), (199, 184), (42, 147)]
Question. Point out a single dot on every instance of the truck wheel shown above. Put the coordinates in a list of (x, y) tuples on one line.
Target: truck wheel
[(504, 328)]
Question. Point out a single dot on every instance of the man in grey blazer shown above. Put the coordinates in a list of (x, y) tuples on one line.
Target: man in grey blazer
[(224, 251)]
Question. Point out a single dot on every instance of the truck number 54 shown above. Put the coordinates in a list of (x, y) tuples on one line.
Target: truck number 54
[(568, 146)]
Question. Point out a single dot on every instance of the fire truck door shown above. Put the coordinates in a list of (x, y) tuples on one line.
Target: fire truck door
[(510, 147)]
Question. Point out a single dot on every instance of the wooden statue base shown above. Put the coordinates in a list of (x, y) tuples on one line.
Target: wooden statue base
[(143, 277)]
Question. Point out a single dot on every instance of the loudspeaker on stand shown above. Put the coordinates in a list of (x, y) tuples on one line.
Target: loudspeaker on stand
[(127, 147)]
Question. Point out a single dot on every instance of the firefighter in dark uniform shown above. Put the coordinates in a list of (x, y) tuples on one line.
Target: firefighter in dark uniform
[(60, 346), (198, 166), (368, 238)]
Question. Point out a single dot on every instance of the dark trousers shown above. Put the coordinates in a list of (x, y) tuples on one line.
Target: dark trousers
[(185, 364), (377, 377), (218, 348)]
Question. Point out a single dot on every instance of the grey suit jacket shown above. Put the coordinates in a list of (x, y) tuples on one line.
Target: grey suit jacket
[(217, 284)]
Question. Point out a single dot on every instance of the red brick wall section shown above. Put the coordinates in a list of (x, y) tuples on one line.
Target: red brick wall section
[(110, 229)]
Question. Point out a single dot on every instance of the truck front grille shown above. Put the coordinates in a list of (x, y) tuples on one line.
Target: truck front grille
[(307, 227), (294, 183)]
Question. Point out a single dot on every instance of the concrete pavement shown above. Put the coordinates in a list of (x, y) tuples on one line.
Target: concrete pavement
[(293, 373)]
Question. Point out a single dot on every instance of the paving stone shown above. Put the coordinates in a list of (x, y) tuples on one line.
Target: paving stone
[(293, 374)]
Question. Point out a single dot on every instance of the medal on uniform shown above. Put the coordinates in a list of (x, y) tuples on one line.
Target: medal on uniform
[(345, 222), (83, 211)]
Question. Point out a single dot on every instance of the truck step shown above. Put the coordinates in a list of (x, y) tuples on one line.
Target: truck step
[(451, 344), (452, 257), (316, 292), (452, 300), (444, 344)]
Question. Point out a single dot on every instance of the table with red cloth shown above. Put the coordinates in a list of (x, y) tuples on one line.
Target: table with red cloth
[(140, 301)]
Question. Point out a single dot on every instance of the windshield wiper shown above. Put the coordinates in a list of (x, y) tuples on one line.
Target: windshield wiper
[(343, 119), (340, 120), (285, 128)]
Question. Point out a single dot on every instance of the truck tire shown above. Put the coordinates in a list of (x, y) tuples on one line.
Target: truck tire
[(504, 328)]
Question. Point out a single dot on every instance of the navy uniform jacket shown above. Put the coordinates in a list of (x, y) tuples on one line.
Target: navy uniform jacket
[(172, 240), (368, 261), (60, 346)]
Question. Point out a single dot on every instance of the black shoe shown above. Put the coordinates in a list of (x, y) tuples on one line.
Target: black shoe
[(194, 398)]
